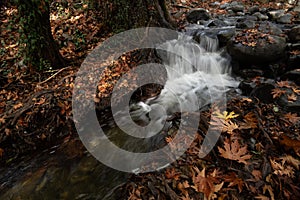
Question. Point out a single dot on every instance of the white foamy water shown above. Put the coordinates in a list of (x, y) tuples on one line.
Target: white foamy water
[(196, 78), (197, 75)]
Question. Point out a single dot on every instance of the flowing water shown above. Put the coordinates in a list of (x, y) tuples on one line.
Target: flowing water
[(196, 77)]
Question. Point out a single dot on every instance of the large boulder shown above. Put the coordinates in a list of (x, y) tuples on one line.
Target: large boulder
[(264, 51), (194, 15)]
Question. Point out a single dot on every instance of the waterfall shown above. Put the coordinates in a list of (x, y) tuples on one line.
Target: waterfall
[(195, 79)]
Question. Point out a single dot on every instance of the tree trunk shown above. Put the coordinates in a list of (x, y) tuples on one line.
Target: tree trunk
[(40, 49), (120, 15)]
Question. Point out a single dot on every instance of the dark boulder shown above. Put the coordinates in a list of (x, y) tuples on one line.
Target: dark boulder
[(263, 92), (263, 52), (194, 15), (294, 34)]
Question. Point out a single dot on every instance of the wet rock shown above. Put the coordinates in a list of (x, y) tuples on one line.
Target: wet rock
[(297, 9), (260, 16), (293, 75), (224, 6), (276, 14), (270, 28), (294, 34), (262, 53), (246, 87), (217, 23), (253, 9), (195, 15), (289, 105), (231, 12), (240, 14), (225, 35), (285, 19), (264, 10), (236, 7), (292, 2), (294, 62), (247, 24), (250, 73), (263, 92), (216, 3)]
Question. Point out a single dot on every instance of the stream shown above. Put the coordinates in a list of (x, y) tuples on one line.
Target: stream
[(64, 172)]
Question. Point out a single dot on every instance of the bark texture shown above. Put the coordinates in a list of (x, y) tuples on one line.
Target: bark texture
[(40, 47), (120, 15)]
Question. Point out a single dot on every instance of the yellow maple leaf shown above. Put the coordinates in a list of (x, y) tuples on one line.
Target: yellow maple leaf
[(225, 115)]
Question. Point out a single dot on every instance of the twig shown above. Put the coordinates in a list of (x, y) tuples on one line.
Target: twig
[(51, 77)]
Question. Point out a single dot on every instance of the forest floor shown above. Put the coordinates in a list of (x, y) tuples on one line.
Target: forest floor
[(257, 156)]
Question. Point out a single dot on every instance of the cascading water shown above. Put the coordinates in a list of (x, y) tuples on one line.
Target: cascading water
[(195, 79)]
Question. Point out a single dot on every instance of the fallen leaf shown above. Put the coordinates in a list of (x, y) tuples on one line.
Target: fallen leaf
[(19, 105), (205, 183), (257, 174), (289, 143), (295, 90), (2, 120), (291, 160), (293, 118), (234, 180), (284, 84), (250, 121), (281, 169), (291, 97), (225, 115), (229, 127), (233, 151), (277, 92), (182, 186), (172, 174), (262, 197), (270, 190)]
